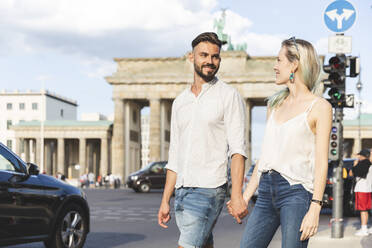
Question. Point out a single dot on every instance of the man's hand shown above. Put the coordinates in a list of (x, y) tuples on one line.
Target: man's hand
[(237, 208), (163, 215)]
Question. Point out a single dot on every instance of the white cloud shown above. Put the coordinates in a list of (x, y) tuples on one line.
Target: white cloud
[(98, 68), (95, 17)]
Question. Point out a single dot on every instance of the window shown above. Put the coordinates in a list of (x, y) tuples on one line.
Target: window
[(8, 124), (34, 106), (9, 106), (61, 112), (9, 144), (22, 106), (158, 168), (5, 164)]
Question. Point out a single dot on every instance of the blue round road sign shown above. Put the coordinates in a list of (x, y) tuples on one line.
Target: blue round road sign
[(339, 16)]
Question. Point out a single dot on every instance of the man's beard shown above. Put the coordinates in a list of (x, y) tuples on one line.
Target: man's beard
[(206, 77)]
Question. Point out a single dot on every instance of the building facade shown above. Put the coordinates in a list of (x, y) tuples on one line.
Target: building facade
[(72, 148), (19, 107)]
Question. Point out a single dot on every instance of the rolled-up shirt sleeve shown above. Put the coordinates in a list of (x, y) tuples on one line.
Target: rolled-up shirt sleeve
[(234, 119), (174, 141)]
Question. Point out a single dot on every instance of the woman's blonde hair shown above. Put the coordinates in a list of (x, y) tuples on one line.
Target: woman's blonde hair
[(309, 68)]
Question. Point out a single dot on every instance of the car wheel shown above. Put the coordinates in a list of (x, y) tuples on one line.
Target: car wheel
[(144, 187), (71, 230)]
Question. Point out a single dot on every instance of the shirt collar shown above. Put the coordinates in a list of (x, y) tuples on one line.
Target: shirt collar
[(207, 84)]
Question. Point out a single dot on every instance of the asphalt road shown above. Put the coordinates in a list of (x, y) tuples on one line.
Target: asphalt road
[(122, 218)]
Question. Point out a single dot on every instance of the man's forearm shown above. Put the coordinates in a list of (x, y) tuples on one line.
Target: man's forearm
[(170, 183), (237, 174)]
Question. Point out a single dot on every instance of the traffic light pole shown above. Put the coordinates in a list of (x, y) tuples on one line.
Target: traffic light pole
[(337, 208)]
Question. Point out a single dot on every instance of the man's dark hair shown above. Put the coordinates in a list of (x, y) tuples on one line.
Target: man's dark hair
[(206, 37)]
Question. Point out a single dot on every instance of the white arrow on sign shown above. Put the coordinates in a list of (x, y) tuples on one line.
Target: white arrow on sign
[(346, 13)]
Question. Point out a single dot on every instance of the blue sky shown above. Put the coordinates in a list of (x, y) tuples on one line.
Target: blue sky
[(70, 44)]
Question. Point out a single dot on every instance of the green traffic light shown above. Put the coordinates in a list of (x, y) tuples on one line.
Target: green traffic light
[(334, 152), (337, 95)]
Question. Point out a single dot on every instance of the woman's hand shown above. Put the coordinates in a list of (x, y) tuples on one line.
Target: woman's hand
[(310, 222)]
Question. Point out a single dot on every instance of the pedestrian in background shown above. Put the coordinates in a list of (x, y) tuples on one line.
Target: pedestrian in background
[(362, 171), (292, 170), (208, 117)]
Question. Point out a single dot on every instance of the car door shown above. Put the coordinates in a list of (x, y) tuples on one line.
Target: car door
[(27, 210), (6, 201), (8, 169), (157, 175)]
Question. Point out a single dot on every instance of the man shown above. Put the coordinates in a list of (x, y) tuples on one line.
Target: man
[(362, 171), (207, 126)]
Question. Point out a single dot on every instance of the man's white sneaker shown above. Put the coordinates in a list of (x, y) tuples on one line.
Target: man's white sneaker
[(361, 232)]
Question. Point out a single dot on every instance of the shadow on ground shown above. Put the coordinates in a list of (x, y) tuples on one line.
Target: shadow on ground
[(111, 239)]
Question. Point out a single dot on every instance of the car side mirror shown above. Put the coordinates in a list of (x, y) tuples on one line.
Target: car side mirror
[(32, 169)]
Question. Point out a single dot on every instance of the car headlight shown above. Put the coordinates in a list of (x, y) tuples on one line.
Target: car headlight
[(134, 178)]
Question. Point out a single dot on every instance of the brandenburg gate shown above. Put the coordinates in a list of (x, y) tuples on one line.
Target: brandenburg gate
[(156, 82)]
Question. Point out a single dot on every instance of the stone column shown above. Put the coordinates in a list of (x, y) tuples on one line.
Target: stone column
[(48, 158), (26, 148), (155, 132), (18, 146), (82, 156), (248, 139), (61, 155), (37, 154), (162, 129), (357, 146), (118, 138), (104, 157), (31, 151)]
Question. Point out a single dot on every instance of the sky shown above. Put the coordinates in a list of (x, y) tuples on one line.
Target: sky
[(69, 45)]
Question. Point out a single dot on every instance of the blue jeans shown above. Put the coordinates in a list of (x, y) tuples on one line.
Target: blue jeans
[(197, 210), (278, 203)]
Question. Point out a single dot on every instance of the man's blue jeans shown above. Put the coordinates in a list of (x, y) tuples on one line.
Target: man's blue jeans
[(197, 210), (278, 203)]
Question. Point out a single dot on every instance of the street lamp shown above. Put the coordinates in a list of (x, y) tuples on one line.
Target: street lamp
[(359, 87)]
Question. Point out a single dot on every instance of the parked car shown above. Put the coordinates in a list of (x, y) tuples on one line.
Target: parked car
[(150, 177), (348, 197), (37, 207)]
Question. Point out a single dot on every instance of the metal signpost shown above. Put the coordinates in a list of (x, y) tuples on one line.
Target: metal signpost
[(339, 16)]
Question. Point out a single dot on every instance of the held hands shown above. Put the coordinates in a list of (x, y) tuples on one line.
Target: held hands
[(163, 215), (237, 207), (310, 222)]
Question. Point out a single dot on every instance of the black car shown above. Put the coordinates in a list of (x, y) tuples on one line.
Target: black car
[(37, 207), (150, 177), (348, 197)]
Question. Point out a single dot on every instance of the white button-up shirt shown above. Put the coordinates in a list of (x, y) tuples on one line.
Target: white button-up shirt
[(205, 130)]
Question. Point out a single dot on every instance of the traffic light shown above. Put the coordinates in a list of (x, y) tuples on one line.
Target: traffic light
[(336, 79), (354, 66), (335, 142)]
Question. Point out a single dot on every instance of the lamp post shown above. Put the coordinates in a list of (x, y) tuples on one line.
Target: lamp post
[(359, 87)]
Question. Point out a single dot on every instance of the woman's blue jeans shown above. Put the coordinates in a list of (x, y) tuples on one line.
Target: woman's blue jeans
[(278, 203)]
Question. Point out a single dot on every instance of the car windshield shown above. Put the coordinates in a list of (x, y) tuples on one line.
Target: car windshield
[(147, 167)]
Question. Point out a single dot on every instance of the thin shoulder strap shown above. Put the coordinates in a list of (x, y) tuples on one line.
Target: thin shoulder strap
[(311, 105)]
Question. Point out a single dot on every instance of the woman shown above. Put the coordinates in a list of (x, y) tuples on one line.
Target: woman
[(292, 170)]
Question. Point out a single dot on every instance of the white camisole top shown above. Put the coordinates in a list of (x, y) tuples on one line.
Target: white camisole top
[(289, 148)]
